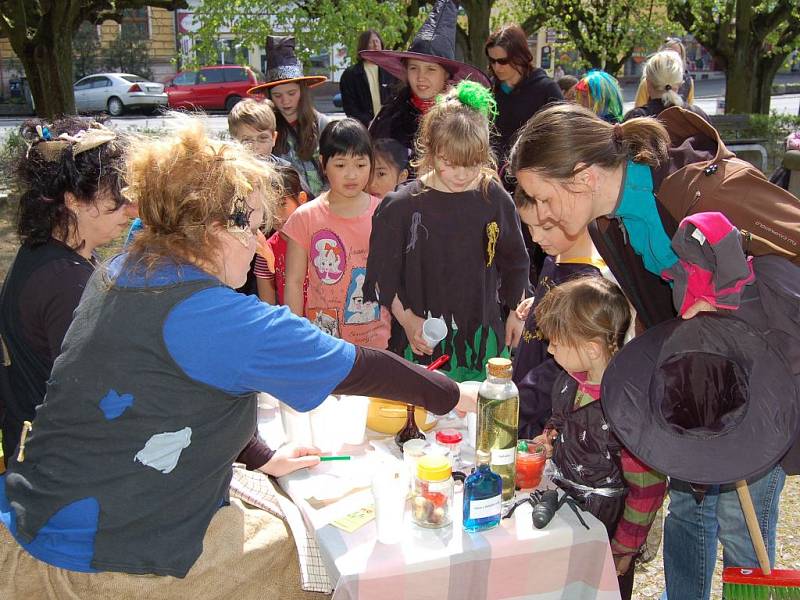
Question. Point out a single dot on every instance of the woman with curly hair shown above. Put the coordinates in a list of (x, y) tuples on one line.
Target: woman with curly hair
[(70, 202), (126, 471)]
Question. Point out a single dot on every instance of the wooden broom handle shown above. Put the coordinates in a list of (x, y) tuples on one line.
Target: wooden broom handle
[(752, 526)]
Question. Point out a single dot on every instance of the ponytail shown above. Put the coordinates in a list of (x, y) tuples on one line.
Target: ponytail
[(562, 136), (664, 73)]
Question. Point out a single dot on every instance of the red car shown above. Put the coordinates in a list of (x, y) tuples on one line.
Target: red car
[(210, 88)]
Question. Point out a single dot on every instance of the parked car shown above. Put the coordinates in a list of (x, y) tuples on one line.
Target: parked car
[(211, 88), (118, 92)]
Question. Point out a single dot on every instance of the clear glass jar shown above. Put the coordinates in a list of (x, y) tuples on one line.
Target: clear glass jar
[(432, 494), (450, 440)]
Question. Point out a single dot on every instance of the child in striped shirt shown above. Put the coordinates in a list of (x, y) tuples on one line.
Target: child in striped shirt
[(585, 321), (269, 266)]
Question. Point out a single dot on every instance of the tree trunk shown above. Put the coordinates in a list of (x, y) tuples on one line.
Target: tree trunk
[(478, 13), (741, 89), (48, 67), (767, 69)]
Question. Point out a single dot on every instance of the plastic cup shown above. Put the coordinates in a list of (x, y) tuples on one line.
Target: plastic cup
[(472, 429), (325, 432), (353, 418), (390, 489), (530, 465), (296, 425), (434, 330), (413, 450)]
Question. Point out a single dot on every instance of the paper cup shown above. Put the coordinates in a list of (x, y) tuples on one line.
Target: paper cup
[(325, 425), (434, 330), (296, 425), (390, 489), (353, 418), (472, 429)]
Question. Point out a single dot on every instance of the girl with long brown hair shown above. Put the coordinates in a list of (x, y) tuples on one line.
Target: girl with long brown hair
[(444, 244), (299, 124)]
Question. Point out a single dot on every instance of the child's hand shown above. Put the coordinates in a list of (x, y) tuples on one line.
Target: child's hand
[(514, 329), (524, 308), (264, 250), (546, 439), (412, 324), (623, 562)]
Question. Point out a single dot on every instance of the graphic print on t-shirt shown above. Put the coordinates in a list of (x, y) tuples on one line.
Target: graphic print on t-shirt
[(329, 256), (355, 309), (325, 319)]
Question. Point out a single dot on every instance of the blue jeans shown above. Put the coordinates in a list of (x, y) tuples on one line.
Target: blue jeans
[(691, 531)]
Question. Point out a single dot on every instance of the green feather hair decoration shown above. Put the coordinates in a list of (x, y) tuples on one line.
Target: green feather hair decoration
[(477, 97)]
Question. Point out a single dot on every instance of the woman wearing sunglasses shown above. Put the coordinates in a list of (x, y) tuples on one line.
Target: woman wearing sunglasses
[(520, 88)]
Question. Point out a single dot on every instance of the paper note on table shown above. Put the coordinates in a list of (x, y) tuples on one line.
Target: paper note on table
[(354, 520)]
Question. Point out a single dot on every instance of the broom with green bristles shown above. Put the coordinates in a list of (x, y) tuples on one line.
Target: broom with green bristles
[(758, 584)]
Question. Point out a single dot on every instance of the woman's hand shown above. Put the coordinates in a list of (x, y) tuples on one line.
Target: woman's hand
[(514, 329), (524, 308), (622, 562), (290, 458), (467, 400), (698, 307)]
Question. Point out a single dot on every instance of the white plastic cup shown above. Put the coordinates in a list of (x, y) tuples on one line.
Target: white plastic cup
[(413, 450), (296, 425), (326, 432), (390, 489), (434, 330), (353, 418), (472, 429)]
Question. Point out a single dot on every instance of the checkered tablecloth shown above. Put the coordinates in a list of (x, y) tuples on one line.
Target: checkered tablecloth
[(563, 561)]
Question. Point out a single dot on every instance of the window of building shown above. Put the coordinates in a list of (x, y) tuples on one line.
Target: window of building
[(136, 22)]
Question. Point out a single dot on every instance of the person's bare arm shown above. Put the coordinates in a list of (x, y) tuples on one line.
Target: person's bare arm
[(296, 268)]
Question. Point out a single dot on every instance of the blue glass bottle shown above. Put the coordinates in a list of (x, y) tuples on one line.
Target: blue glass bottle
[(482, 496)]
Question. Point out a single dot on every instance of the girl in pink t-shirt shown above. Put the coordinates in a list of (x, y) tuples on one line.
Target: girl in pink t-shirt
[(328, 240)]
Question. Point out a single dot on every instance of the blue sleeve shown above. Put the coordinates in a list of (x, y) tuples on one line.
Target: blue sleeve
[(239, 344)]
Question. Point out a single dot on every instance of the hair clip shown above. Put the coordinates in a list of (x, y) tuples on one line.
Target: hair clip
[(239, 218), (477, 97)]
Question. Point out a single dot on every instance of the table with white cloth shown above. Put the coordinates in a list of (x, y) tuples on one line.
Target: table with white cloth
[(514, 560)]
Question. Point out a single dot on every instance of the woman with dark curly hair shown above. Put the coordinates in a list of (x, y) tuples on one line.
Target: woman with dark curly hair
[(70, 202)]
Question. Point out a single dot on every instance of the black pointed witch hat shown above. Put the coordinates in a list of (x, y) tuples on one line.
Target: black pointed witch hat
[(435, 42), (283, 66), (707, 400)]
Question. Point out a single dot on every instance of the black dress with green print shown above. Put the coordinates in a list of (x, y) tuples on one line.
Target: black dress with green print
[(459, 256)]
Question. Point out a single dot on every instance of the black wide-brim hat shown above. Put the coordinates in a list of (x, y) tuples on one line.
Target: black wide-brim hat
[(435, 42), (706, 400), (283, 66)]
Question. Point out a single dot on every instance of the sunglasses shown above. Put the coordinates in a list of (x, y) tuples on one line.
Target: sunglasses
[(499, 61)]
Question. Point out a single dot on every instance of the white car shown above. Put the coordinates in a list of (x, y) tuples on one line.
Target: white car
[(118, 92)]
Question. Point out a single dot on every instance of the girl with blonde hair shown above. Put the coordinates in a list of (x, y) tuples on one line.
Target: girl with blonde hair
[(446, 244), (663, 76), (127, 466)]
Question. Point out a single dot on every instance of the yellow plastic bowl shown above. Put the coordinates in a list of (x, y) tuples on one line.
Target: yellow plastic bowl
[(388, 416)]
